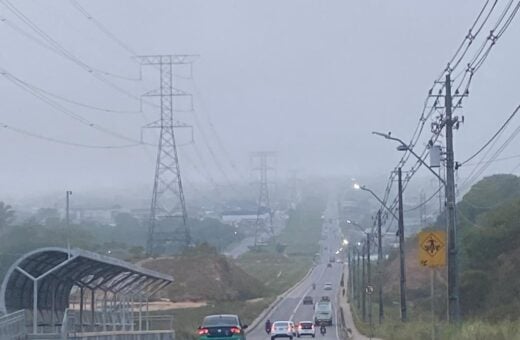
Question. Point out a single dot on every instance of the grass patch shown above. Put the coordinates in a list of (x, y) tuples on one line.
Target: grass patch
[(420, 327), (301, 236), (276, 271)]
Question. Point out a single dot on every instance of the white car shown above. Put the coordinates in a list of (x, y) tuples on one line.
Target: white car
[(327, 286), (282, 329), (306, 328)]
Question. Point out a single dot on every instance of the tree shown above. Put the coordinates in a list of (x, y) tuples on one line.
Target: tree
[(6, 215)]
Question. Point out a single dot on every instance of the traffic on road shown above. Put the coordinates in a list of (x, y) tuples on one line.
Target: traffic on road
[(308, 310)]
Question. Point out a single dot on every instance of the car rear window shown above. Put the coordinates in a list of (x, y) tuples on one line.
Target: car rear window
[(306, 325), (281, 324), (217, 320)]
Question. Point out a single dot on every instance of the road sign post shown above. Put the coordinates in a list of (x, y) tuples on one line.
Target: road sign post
[(432, 249), (432, 254)]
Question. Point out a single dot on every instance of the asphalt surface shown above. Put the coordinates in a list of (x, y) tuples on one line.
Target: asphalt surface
[(292, 307)]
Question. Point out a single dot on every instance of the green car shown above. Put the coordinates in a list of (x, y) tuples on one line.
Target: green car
[(222, 327)]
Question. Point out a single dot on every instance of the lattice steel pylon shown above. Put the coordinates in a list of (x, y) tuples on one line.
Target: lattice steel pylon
[(168, 202), (262, 159)]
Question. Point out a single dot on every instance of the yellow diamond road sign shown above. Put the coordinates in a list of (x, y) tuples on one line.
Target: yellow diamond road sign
[(432, 248)]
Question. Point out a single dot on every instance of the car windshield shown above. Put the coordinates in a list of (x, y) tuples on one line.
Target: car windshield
[(323, 307), (219, 320)]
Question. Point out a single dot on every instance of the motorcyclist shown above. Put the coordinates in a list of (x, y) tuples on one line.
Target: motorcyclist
[(268, 326), (323, 329), (313, 286)]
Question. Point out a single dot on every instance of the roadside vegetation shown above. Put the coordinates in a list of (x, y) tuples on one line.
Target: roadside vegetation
[(489, 239)]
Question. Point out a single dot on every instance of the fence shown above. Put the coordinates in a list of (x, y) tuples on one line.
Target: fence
[(12, 326)]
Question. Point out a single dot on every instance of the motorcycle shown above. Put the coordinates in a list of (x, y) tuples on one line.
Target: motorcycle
[(323, 330)]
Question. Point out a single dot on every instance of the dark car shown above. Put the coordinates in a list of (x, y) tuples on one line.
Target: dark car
[(308, 300), (325, 298), (222, 327), (329, 265)]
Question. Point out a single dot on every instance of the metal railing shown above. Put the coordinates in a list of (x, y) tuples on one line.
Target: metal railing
[(12, 326), (97, 324)]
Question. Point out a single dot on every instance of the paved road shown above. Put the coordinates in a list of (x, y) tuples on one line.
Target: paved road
[(292, 307), (243, 246)]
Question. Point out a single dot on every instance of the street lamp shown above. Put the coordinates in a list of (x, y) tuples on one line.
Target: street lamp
[(357, 186), (405, 147)]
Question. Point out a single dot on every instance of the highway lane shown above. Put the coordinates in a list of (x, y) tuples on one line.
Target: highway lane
[(292, 307)]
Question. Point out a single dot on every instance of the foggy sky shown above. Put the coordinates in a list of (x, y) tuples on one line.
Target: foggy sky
[(308, 79)]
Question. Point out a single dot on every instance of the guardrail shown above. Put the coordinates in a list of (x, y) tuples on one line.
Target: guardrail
[(125, 335), (12, 326)]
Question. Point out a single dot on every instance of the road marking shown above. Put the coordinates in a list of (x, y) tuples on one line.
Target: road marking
[(303, 296), (336, 321)]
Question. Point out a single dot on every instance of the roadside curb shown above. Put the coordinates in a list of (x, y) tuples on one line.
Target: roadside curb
[(277, 301)]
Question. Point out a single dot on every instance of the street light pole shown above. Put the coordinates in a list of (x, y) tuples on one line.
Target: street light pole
[(379, 266), (359, 278), (402, 284), (363, 285), (369, 280), (68, 193)]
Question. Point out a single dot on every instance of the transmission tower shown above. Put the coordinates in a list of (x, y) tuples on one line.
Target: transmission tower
[(168, 204), (262, 161)]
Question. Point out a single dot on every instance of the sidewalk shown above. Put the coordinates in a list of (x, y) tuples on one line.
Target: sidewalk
[(349, 330)]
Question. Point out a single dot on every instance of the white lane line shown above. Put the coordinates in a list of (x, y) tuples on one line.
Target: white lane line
[(336, 322), (298, 305), (306, 293)]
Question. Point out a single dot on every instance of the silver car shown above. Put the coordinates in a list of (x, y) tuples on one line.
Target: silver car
[(282, 329), (306, 328)]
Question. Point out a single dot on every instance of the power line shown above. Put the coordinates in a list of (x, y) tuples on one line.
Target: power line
[(64, 142), (55, 46), (103, 28), (75, 102), (425, 201), (64, 110), (471, 69), (495, 135)]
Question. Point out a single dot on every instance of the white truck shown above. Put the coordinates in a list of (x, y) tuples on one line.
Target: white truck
[(323, 313)]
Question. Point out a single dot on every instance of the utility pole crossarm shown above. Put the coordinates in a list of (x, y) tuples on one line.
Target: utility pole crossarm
[(177, 59)]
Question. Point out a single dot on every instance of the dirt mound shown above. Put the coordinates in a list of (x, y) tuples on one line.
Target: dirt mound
[(205, 276)]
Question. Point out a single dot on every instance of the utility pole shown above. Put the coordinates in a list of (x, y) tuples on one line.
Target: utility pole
[(68, 193), (363, 286), (369, 280), (263, 166), (379, 266), (453, 275), (349, 284), (402, 285), (359, 279), (168, 202)]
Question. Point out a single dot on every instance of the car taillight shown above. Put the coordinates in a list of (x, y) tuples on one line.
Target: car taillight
[(299, 326), (203, 331), (235, 330)]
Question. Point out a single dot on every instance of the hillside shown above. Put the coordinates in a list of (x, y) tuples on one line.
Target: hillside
[(488, 220), (202, 274)]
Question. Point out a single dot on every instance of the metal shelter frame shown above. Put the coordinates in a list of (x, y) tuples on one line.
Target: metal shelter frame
[(43, 281)]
